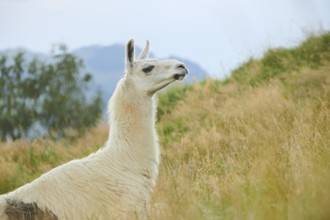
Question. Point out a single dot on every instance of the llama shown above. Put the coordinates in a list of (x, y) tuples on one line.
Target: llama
[(116, 181)]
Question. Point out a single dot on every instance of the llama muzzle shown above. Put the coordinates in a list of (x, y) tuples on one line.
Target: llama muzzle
[(180, 76)]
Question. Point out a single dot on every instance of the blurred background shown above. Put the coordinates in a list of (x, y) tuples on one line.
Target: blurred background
[(215, 34)]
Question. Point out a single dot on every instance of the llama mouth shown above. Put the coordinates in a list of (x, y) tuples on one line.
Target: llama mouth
[(179, 76)]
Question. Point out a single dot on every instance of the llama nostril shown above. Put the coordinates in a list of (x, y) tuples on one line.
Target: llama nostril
[(181, 66)]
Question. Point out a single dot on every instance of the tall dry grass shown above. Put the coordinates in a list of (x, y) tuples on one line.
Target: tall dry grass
[(243, 152)]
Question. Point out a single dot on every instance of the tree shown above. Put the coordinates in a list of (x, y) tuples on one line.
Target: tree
[(46, 96)]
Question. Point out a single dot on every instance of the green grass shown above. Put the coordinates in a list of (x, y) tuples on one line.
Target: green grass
[(280, 62), (168, 100)]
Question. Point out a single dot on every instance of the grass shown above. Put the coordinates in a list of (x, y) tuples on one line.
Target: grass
[(255, 146), (247, 155), (280, 62)]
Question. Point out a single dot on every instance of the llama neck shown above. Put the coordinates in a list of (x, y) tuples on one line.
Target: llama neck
[(132, 120)]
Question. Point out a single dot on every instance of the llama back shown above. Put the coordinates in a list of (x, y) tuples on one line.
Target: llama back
[(89, 187)]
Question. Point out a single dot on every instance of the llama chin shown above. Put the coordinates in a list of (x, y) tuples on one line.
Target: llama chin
[(116, 181)]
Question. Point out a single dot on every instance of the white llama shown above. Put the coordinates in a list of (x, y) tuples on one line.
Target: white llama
[(116, 181)]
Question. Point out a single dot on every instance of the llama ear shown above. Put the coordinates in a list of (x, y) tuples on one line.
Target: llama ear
[(129, 53), (144, 54)]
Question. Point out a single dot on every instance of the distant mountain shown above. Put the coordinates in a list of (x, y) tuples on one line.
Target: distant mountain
[(106, 63)]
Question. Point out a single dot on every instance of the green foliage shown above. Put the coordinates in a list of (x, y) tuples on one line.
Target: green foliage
[(168, 100), (311, 54), (242, 73), (173, 130), (17, 102), (43, 95)]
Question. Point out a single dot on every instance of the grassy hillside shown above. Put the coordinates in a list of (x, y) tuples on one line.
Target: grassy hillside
[(255, 146)]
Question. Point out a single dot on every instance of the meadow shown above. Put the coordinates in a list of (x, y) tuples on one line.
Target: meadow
[(254, 146)]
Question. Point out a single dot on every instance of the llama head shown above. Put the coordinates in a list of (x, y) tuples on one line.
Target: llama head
[(151, 75)]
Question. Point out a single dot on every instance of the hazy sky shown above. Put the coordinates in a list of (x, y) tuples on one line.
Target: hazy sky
[(218, 34)]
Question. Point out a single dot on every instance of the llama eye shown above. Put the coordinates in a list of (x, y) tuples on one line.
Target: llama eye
[(148, 69)]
